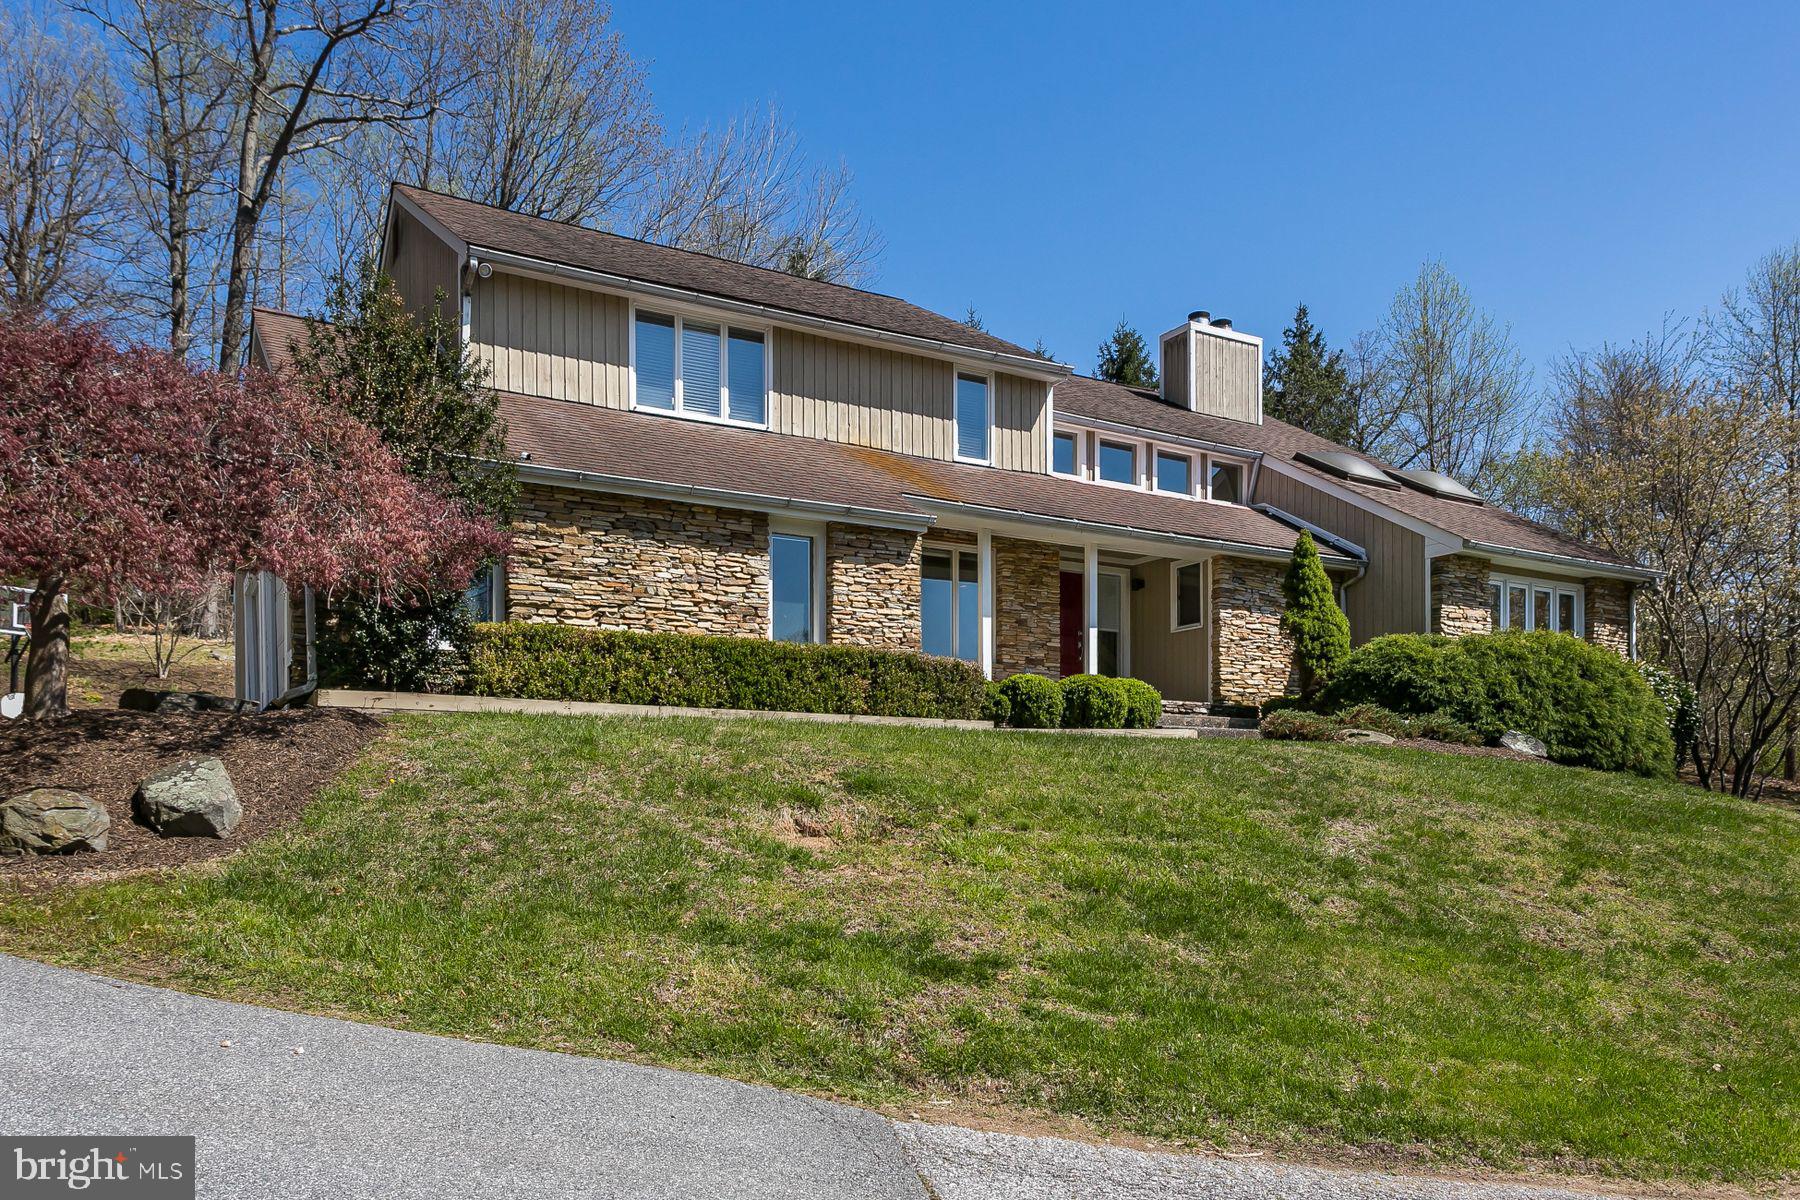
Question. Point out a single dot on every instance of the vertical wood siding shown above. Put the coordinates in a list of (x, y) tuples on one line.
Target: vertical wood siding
[(1227, 377), (1175, 664), (546, 339), (1391, 597), (1175, 370), (423, 265)]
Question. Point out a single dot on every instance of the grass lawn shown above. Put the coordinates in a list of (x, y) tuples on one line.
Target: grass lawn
[(1461, 959)]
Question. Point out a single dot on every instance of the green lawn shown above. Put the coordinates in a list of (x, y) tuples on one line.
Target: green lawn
[(1469, 960)]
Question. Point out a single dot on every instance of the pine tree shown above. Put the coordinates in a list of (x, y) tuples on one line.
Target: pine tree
[(973, 320), (1320, 630), (1306, 385), (1125, 359)]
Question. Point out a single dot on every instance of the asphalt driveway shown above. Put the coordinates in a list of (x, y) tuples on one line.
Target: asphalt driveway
[(285, 1105)]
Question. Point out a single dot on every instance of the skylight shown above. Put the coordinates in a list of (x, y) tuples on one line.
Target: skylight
[(1437, 484), (1346, 466)]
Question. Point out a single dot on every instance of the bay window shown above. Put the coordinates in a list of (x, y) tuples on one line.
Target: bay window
[(698, 368)]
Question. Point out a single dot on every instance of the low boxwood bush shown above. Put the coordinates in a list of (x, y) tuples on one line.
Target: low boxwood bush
[(1143, 704), (998, 708), (1589, 706), (562, 662), (1094, 702), (1033, 702)]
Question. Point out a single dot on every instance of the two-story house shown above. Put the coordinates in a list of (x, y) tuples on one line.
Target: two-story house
[(714, 448)]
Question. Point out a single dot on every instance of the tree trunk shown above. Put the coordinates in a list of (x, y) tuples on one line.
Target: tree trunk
[(47, 669)]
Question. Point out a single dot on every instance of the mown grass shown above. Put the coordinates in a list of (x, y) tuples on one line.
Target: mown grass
[(1468, 959)]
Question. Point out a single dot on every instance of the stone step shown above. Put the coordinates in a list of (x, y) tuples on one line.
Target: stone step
[(1183, 720)]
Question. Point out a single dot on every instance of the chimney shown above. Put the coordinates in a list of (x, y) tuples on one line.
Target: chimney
[(1209, 367)]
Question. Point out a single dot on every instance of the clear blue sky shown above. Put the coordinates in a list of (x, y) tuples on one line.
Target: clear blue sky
[(1584, 169)]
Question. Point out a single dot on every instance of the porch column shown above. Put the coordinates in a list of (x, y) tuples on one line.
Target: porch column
[(1090, 587), (984, 574)]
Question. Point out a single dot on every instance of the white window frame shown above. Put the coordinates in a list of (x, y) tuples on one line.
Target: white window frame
[(1137, 461), (726, 324), (1123, 575), (1532, 587), (1175, 569), (1080, 436), (816, 535), (987, 379), (1161, 452), (1144, 454), (1204, 487), (953, 549)]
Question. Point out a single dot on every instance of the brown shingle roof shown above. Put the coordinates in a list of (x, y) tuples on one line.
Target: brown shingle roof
[(554, 241), (1084, 397), (277, 332), (674, 451)]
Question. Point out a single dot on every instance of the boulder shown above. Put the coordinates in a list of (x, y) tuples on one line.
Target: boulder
[(1368, 737), (1524, 743), (48, 820), (191, 799)]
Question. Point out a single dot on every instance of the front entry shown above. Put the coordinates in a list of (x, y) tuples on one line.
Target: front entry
[(1114, 653)]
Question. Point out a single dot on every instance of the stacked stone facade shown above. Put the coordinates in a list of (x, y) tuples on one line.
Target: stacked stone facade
[(1459, 595), (1253, 659), (872, 587), (1608, 610), (622, 562), (1027, 608)]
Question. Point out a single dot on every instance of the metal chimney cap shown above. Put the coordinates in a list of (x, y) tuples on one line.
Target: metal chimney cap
[(1200, 315), (1222, 322)]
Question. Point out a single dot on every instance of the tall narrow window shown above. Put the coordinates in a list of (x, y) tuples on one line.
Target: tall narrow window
[(655, 361), (1226, 482), (1118, 463), (1174, 473), (1497, 606), (700, 390), (1062, 454), (791, 588), (747, 386), (972, 417), (1516, 606), (1111, 624), (1540, 608), (950, 604), (1565, 613), (1190, 595)]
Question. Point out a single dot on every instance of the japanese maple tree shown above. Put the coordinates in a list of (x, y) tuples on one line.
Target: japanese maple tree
[(129, 468)]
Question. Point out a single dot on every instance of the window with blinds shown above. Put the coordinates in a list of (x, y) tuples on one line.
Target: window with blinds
[(974, 416), (699, 368)]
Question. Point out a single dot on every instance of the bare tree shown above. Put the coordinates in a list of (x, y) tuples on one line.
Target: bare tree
[(309, 74), (168, 130), (58, 193), (1454, 388), (744, 192)]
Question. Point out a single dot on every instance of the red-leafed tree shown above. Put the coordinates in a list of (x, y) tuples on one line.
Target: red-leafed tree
[(130, 469)]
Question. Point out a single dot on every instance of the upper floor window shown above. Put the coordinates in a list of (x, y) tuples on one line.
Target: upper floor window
[(974, 415), (1118, 462), (1174, 473), (1226, 482), (699, 368), (1064, 458)]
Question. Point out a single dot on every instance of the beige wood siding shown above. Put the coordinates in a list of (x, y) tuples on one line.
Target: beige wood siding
[(422, 266), (1391, 597), (547, 339), (1175, 369), (1175, 664), (1227, 377)]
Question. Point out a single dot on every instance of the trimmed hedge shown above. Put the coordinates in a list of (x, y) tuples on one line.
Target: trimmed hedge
[(1094, 702), (998, 708), (1143, 704), (1589, 706), (1033, 702), (562, 662)]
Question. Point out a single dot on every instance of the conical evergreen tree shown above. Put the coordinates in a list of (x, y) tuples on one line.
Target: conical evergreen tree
[(1306, 385), (1125, 359), (1320, 630)]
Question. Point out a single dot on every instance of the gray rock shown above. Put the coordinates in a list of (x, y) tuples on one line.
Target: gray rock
[(48, 820), (192, 799), (177, 702), (1368, 737), (1524, 743)]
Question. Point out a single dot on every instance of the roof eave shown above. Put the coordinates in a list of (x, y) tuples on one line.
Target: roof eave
[(1591, 566)]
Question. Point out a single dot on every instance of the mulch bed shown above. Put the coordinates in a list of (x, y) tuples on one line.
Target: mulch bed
[(277, 760)]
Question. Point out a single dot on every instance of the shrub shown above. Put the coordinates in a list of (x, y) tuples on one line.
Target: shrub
[(1295, 725), (1588, 706), (996, 707), (1280, 704), (1093, 702), (559, 662), (1033, 702), (1373, 716), (1320, 630), (1681, 703), (1441, 727), (1143, 704)]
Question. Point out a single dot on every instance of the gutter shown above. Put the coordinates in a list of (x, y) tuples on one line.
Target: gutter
[(1617, 570), (720, 497), (1151, 535), (1036, 368)]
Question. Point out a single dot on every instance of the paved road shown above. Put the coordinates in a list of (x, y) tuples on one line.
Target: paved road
[(373, 1112)]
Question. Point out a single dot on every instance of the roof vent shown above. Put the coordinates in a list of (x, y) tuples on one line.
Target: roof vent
[(1200, 315), (1436, 483), (1222, 322), (1345, 466)]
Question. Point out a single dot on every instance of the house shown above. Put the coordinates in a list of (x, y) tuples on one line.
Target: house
[(708, 447)]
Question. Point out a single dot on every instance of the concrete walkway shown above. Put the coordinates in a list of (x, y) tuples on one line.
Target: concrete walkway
[(298, 1106)]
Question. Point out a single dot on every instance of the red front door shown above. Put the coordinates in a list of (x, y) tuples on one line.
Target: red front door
[(1074, 624)]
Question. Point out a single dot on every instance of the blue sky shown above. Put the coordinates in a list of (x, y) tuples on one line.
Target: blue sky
[(1583, 169)]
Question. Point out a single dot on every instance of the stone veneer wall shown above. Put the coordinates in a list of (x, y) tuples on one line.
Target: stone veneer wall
[(1253, 660), (1608, 612), (872, 587), (1459, 595), (624, 562), (1027, 608)]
